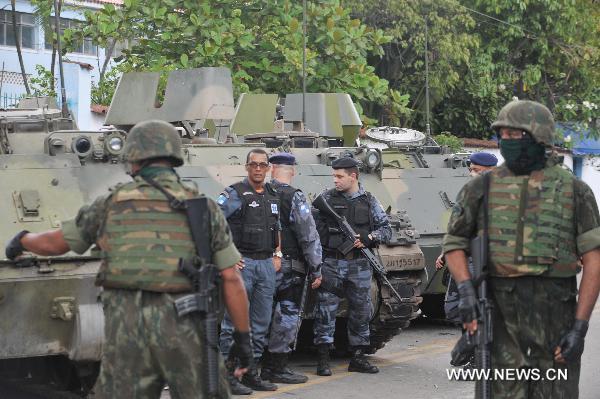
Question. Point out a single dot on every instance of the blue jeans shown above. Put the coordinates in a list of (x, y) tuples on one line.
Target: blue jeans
[(259, 280)]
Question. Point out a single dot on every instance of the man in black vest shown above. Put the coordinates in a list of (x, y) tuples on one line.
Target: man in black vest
[(348, 275), (301, 250), (252, 211)]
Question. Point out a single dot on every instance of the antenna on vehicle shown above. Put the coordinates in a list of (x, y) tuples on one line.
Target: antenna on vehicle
[(63, 94), (427, 125), (303, 65)]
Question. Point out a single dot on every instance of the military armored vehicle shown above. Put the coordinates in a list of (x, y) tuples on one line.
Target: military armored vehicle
[(424, 178), (215, 153), (50, 316)]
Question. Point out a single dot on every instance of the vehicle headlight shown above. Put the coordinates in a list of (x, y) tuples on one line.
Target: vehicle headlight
[(116, 144), (373, 159), (82, 146)]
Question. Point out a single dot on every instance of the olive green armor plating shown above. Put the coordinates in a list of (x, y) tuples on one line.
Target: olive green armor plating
[(135, 259), (534, 237)]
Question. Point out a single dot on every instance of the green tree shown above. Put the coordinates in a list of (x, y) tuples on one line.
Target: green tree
[(544, 50), (449, 48), (261, 42)]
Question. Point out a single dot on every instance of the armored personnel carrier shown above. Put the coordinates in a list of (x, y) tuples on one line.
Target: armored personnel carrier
[(51, 320), (424, 179), (216, 152)]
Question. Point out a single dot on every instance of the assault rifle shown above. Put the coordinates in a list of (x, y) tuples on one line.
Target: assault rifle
[(302, 312), (205, 280), (350, 235), (479, 343)]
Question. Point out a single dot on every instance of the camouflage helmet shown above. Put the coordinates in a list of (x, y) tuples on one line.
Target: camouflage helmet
[(530, 116), (153, 139)]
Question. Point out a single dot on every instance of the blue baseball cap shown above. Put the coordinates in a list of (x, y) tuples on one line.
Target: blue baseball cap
[(283, 158), (483, 159)]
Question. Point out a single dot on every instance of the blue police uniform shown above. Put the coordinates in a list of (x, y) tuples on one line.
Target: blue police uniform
[(238, 202), (353, 276)]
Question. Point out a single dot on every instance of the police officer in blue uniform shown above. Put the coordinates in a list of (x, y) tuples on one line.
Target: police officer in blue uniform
[(348, 275), (301, 251), (251, 208)]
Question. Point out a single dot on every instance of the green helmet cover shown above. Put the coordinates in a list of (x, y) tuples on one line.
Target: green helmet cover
[(153, 139), (530, 116)]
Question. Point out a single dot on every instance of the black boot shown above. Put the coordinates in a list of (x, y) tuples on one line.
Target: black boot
[(359, 363), (237, 388), (252, 379), (277, 370), (323, 366)]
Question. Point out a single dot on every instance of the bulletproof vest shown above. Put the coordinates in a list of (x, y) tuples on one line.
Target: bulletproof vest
[(254, 226), (532, 224), (357, 212), (289, 241), (143, 238)]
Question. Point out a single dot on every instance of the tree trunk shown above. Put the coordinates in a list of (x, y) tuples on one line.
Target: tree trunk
[(18, 44), (107, 55)]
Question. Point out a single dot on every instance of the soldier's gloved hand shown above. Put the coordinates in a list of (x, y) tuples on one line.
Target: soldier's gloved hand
[(571, 345), (242, 349), (467, 304), (14, 247), (367, 240)]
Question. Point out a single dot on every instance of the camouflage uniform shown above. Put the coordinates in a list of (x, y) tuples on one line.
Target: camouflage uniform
[(146, 344), (289, 279), (539, 225), (350, 279)]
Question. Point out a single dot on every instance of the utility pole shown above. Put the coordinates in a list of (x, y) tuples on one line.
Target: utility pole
[(303, 65), (427, 125), (63, 93)]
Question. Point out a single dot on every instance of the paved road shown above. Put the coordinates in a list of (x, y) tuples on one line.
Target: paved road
[(414, 365)]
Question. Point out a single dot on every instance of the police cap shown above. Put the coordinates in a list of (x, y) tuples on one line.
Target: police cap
[(283, 158), (483, 159), (344, 163)]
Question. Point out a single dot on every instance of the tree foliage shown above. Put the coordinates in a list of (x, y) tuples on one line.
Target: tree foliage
[(261, 42)]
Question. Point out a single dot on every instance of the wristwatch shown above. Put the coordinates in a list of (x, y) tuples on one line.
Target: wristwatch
[(278, 254)]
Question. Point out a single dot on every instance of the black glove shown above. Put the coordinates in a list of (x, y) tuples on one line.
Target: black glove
[(14, 247), (571, 345), (467, 304), (242, 349), (367, 242)]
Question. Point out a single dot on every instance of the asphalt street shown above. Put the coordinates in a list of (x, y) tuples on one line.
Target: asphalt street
[(413, 365)]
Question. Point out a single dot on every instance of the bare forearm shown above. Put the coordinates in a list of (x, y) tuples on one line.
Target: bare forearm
[(590, 285), (48, 243), (236, 300), (458, 265)]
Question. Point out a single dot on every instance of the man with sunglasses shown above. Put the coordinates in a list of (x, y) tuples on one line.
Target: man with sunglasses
[(252, 207), (543, 225)]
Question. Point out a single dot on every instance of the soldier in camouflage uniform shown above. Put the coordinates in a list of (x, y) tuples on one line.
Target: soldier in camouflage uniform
[(543, 223), (301, 254), (348, 275), (147, 346)]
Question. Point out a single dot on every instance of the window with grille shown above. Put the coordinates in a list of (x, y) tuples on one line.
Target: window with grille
[(26, 29), (84, 47)]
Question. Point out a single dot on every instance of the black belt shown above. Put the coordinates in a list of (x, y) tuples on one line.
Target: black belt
[(257, 255), (354, 254)]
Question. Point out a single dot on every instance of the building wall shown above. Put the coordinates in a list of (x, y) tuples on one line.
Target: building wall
[(39, 54)]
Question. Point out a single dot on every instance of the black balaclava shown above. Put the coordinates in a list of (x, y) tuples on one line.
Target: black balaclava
[(523, 156)]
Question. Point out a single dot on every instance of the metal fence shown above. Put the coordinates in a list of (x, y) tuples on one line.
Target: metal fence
[(10, 100)]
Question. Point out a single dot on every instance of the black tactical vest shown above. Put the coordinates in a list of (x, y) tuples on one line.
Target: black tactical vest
[(289, 241), (357, 212), (254, 226)]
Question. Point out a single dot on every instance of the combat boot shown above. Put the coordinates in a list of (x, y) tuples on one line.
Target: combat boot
[(252, 379), (323, 368), (237, 388), (360, 364), (277, 370)]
